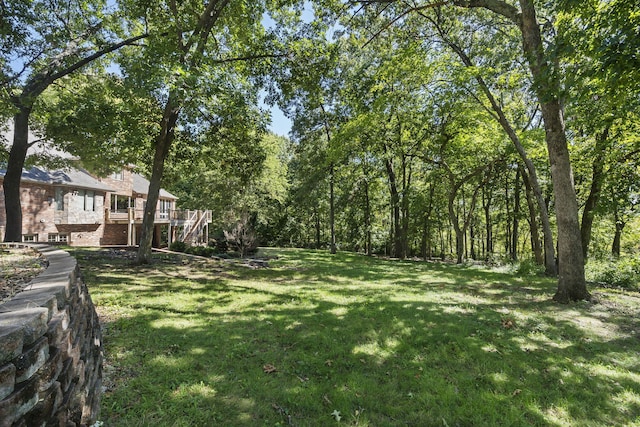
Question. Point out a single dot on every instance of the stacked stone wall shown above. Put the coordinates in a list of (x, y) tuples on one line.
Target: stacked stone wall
[(50, 349)]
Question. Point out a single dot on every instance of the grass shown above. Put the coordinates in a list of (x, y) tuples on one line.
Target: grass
[(317, 340)]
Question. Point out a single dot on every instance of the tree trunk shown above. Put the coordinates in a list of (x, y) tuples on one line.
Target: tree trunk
[(597, 177), (426, 236), (571, 279), (162, 147), (472, 237), (507, 205), (318, 228), (406, 184), (13, 175), (32, 89), (549, 251), (486, 205), (332, 210), (516, 217), (536, 246), (395, 209), (367, 218), (464, 217), (617, 237)]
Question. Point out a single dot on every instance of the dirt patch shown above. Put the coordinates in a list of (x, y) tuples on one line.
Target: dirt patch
[(17, 267)]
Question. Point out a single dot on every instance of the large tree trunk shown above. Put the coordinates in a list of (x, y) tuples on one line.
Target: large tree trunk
[(32, 89), (571, 280), (549, 251), (162, 147), (13, 175), (597, 177)]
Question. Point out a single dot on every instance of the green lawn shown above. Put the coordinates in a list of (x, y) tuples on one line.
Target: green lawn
[(318, 340)]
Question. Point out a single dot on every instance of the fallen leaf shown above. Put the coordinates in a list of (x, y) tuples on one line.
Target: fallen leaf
[(326, 399), (336, 414), (516, 392), (507, 323), (269, 369), (328, 362)]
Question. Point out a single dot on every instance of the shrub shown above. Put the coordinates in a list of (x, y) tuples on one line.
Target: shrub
[(204, 251), (242, 236), (178, 246), (617, 273), (221, 245), (529, 267)]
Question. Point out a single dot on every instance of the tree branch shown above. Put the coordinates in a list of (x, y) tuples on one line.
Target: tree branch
[(41, 81), (250, 57), (400, 16), (497, 6)]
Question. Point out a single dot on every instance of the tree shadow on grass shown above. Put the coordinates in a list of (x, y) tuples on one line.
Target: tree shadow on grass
[(245, 350)]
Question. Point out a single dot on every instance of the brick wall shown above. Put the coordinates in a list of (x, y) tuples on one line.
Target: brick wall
[(83, 234), (124, 186), (39, 217), (114, 234), (50, 350)]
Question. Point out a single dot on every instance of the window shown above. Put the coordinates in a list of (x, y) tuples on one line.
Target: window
[(165, 207), (118, 175), (57, 238), (60, 199), (120, 203), (89, 200), (29, 238)]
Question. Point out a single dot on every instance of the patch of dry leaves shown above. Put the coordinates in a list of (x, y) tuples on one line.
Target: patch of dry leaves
[(17, 267)]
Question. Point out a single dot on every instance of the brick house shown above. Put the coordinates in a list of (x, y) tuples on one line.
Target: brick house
[(73, 207)]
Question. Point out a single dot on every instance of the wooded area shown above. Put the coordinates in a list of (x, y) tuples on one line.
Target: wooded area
[(486, 130)]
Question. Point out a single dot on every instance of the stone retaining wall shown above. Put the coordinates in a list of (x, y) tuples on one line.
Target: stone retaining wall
[(50, 349)]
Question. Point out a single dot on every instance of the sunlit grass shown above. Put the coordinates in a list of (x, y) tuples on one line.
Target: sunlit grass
[(318, 340)]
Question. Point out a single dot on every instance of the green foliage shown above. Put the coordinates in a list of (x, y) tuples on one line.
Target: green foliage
[(621, 273), (178, 246), (528, 267), (100, 120), (204, 251), (241, 237)]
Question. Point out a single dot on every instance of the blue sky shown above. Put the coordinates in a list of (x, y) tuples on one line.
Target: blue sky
[(280, 125)]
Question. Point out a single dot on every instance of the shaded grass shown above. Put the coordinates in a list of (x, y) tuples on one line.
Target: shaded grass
[(317, 339)]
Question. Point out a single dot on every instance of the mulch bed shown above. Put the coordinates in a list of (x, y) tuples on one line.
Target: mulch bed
[(17, 267)]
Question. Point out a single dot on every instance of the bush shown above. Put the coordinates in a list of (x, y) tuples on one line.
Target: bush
[(616, 273), (178, 246), (204, 251), (242, 237), (529, 267), (221, 245)]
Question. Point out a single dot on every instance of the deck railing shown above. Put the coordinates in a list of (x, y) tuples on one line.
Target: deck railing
[(177, 215)]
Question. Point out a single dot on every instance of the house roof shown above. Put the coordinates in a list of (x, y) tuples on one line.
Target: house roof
[(141, 186), (70, 177)]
